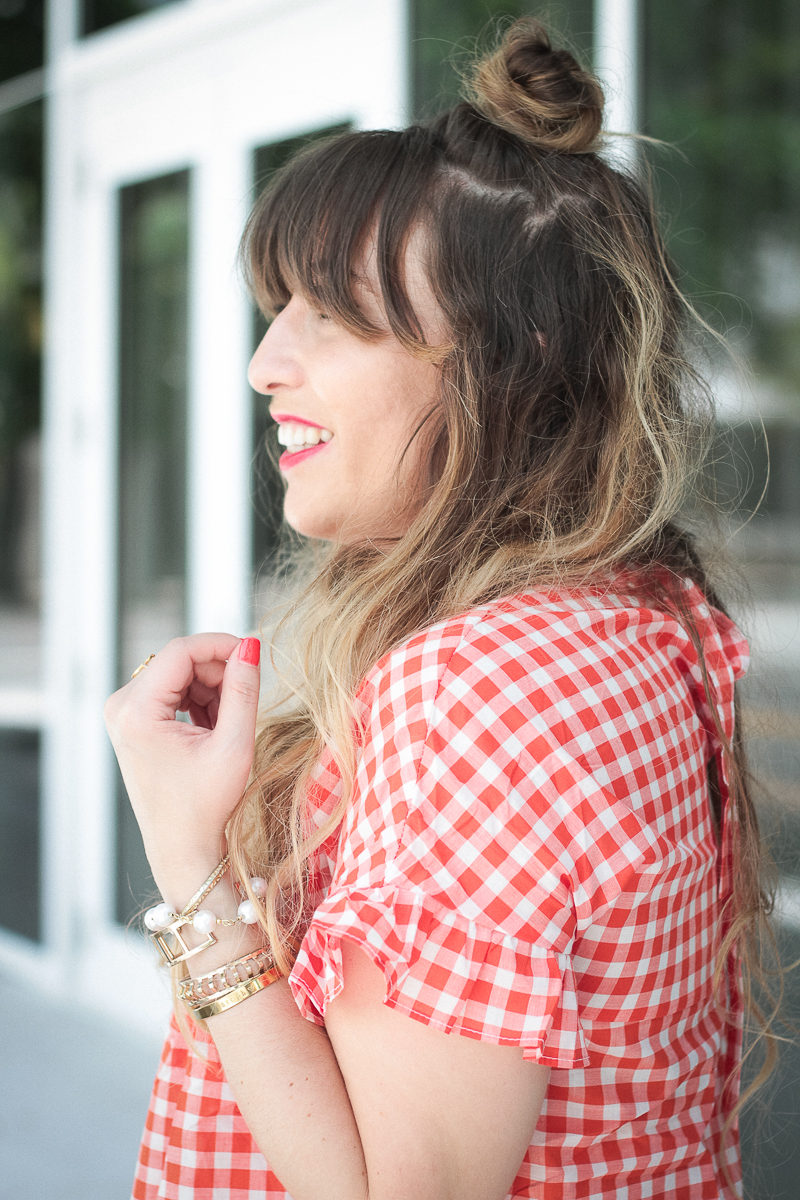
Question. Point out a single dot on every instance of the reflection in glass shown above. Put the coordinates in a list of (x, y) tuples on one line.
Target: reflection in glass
[(20, 905), (20, 384), (153, 333), (99, 14)]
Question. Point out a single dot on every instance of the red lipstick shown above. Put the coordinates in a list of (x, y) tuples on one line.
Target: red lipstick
[(287, 418), (288, 460)]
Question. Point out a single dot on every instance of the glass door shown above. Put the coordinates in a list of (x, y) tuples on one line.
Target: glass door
[(153, 530), (22, 708)]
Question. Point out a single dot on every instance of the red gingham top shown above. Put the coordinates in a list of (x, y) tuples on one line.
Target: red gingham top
[(529, 857)]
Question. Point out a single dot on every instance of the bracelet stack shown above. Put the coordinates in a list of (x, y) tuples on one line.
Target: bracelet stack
[(232, 996), (228, 985), (221, 989)]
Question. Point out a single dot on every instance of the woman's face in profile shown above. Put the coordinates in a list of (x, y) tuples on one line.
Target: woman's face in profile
[(346, 410)]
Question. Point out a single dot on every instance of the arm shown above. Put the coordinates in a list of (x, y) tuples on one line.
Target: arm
[(376, 1105)]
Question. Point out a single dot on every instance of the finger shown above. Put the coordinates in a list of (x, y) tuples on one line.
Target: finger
[(167, 679), (201, 695), (200, 716), (210, 674), (238, 705), (202, 705)]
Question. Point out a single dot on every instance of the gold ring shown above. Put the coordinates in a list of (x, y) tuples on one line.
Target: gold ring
[(142, 666)]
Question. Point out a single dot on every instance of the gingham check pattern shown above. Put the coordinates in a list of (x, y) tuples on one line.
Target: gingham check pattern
[(530, 860)]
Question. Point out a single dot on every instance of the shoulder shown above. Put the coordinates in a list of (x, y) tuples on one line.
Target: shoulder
[(497, 727), (579, 669), (536, 638)]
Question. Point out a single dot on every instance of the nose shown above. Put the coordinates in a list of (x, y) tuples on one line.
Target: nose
[(274, 364)]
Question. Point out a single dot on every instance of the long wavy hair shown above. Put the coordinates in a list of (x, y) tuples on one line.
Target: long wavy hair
[(563, 445)]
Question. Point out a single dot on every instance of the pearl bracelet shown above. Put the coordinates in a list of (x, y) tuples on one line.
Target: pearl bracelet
[(165, 924), (161, 916)]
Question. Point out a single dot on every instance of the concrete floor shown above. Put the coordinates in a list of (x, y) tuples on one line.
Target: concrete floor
[(74, 1096)]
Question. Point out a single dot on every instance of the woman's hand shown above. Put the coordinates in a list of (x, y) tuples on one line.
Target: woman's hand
[(184, 780)]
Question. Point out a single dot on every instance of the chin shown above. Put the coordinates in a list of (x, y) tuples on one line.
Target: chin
[(345, 529), (307, 525)]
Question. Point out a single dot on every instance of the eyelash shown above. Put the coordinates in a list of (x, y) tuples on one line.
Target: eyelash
[(277, 309)]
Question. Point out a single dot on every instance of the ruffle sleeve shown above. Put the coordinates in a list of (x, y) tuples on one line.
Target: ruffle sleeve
[(485, 837), (446, 971)]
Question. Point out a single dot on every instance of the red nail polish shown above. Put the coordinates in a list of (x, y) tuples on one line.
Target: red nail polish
[(250, 651)]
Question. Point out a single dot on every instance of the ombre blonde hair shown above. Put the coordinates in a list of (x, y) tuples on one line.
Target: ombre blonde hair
[(569, 424)]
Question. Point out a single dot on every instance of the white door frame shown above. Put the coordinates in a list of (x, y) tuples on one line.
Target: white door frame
[(197, 85)]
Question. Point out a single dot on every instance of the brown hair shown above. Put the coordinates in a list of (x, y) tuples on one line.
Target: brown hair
[(569, 419)]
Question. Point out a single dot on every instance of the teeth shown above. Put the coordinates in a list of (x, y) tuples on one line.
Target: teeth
[(297, 437)]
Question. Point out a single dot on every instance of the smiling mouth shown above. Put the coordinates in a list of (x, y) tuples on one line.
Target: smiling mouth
[(296, 437)]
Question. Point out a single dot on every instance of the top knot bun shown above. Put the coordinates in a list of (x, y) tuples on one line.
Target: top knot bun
[(540, 94)]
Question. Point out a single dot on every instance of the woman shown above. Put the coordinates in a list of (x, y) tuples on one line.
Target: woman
[(493, 870)]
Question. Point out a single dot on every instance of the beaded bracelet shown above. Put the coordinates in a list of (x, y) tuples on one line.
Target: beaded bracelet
[(201, 1012), (165, 924), (210, 987)]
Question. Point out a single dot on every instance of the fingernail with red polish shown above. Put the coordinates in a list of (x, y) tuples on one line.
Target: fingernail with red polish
[(250, 651)]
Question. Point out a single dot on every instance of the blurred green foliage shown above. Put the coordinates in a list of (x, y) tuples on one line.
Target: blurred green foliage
[(721, 84), (20, 271), (20, 321), (444, 31), (153, 318)]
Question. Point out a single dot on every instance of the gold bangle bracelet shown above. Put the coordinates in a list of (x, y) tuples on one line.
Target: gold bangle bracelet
[(201, 1012), (202, 989)]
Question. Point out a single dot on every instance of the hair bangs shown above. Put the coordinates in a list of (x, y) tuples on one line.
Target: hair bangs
[(312, 226), (310, 229)]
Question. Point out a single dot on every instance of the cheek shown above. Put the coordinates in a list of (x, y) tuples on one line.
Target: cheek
[(398, 447), (412, 451), (412, 395)]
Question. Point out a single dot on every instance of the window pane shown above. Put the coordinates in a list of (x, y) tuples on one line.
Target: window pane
[(153, 334), (20, 383), (20, 875), (728, 97), (436, 25), (99, 14), (21, 37)]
